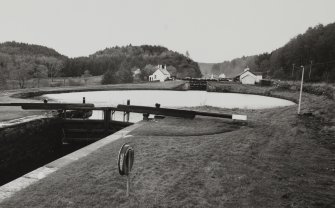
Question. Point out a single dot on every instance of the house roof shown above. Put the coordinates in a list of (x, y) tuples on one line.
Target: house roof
[(245, 71)]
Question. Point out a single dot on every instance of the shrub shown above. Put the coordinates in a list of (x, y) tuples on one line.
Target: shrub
[(55, 84), (73, 82)]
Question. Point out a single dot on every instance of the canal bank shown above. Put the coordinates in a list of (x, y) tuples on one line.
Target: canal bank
[(268, 163), (38, 138), (41, 172)]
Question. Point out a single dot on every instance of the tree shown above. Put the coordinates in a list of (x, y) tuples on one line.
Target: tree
[(86, 76), (3, 82), (187, 54), (3, 74), (124, 74), (54, 66), (21, 72), (40, 71), (147, 71), (172, 70), (109, 77)]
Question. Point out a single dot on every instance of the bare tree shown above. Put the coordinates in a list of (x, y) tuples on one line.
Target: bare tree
[(40, 71), (21, 72), (54, 66)]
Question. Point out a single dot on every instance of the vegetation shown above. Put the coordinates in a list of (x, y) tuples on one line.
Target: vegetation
[(117, 63), (20, 62), (315, 49), (207, 162)]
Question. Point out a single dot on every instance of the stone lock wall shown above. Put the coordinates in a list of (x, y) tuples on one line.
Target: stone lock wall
[(25, 146)]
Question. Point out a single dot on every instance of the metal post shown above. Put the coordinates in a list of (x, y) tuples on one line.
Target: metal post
[(302, 80), (128, 176), (107, 118), (128, 186)]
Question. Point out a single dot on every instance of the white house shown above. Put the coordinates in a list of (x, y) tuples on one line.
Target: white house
[(248, 77), (222, 76), (161, 74)]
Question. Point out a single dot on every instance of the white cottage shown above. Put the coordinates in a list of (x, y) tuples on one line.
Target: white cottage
[(248, 77), (161, 74), (222, 76)]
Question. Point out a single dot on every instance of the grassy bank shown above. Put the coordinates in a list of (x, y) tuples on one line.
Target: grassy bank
[(284, 89), (277, 159)]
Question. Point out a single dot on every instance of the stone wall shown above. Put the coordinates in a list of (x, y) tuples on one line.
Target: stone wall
[(28, 145)]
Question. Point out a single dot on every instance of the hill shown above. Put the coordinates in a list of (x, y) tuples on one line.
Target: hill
[(20, 62), (117, 63), (21, 49), (234, 67), (205, 68), (315, 50)]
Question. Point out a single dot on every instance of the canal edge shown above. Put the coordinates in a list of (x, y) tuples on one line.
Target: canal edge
[(9, 189)]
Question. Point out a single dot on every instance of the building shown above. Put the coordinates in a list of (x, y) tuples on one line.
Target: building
[(161, 74), (248, 77), (222, 76)]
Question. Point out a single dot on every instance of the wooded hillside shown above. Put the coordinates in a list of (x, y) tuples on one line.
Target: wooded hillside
[(20, 62), (315, 50), (117, 63)]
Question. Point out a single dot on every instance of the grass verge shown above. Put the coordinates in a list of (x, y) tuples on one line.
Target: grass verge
[(279, 159)]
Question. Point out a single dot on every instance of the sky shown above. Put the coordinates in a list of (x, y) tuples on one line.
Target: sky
[(210, 30)]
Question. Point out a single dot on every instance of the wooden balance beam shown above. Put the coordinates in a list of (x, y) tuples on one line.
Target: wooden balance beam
[(176, 112), (49, 106)]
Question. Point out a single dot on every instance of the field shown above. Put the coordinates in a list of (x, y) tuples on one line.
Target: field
[(276, 159), (56, 82)]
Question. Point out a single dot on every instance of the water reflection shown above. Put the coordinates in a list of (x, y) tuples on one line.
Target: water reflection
[(169, 99)]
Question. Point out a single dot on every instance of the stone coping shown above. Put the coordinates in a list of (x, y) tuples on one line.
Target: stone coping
[(26, 180)]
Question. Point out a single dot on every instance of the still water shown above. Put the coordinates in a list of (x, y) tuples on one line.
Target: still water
[(169, 99)]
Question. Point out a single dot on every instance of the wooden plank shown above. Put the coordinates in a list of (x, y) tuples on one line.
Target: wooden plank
[(157, 111), (54, 106), (219, 115), (81, 139), (49, 106), (171, 112), (70, 130)]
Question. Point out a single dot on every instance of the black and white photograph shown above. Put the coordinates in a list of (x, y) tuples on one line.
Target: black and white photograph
[(167, 103)]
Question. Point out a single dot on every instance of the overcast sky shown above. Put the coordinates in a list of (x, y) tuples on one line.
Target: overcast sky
[(211, 30)]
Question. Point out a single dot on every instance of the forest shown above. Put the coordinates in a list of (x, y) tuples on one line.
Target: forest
[(20, 62), (118, 63), (315, 50)]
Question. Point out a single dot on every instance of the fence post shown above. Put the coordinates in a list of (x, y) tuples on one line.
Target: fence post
[(128, 113), (301, 85)]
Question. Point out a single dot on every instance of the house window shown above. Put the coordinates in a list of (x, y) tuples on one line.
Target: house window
[(155, 76)]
